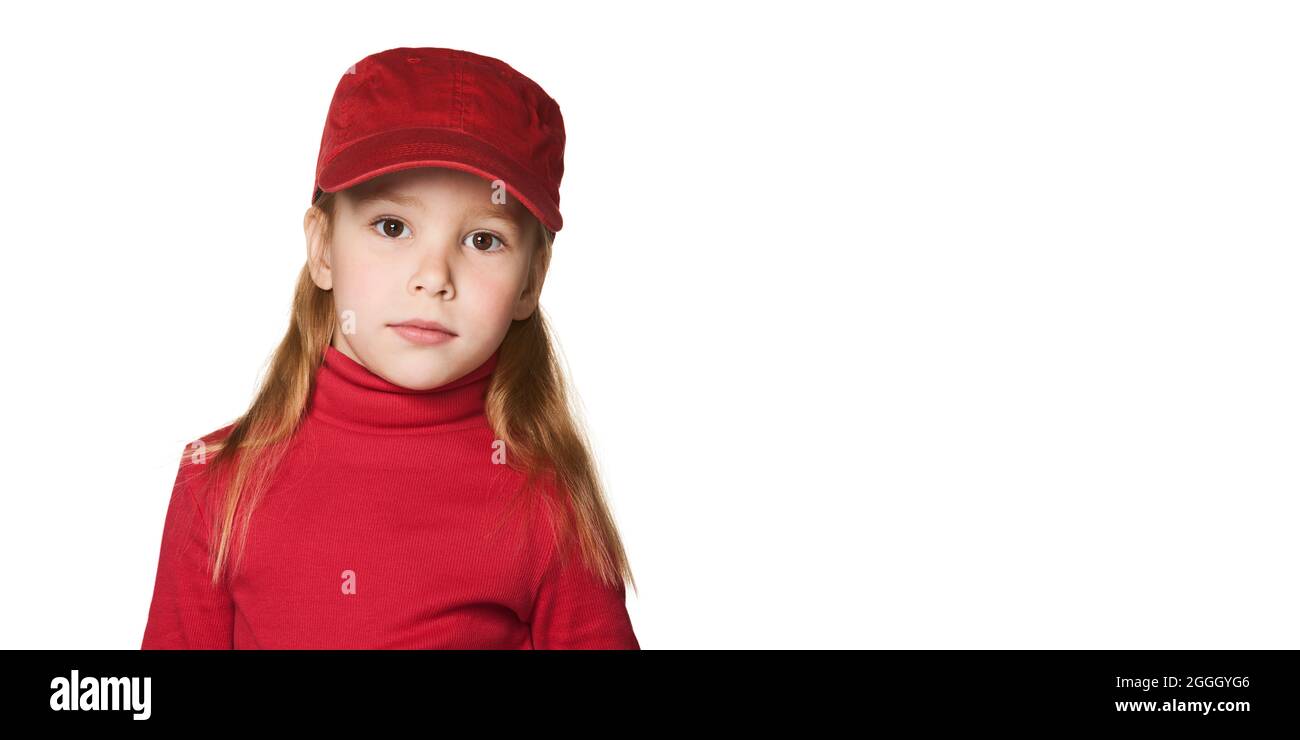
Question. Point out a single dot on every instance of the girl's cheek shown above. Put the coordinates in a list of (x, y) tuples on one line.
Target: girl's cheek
[(363, 289), (502, 297), (373, 278)]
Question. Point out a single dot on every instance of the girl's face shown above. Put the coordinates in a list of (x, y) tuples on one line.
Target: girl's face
[(429, 244)]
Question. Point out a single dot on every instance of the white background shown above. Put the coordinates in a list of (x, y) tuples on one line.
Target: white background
[(896, 325)]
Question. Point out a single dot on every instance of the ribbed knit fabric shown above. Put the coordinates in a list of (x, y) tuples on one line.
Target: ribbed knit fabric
[(386, 525)]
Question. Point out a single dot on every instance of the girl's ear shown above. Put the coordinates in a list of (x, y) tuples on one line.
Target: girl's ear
[(318, 252), (538, 262)]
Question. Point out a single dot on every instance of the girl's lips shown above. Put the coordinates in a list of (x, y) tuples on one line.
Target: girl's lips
[(424, 337)]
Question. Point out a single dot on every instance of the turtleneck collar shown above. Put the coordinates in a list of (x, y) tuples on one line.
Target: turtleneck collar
[(348, 394)]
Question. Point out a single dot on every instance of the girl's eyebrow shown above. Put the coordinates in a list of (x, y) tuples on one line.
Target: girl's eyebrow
[(494, 213), (409, 201)]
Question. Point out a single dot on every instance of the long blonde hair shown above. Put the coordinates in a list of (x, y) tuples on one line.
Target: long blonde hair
[(527, 406)]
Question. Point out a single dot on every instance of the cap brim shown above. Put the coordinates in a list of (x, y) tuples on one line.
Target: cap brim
[(403, 149)]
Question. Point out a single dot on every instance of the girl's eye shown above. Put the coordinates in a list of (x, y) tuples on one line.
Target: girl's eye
[(482, 241), (387, 229)]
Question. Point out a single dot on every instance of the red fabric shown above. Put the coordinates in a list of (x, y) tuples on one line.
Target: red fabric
[(396, 492)]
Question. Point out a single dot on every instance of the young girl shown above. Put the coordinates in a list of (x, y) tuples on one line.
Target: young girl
[(409, 474)]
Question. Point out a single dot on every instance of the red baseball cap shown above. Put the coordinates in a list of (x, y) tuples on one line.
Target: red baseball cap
[(429, 107)]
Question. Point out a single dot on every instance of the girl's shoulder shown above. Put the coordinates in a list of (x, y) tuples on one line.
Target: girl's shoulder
[(217, 435), (210, 439), (198, 452)]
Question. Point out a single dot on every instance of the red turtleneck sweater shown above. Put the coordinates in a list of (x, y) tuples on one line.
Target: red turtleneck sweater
[(385, 526)]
